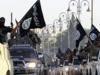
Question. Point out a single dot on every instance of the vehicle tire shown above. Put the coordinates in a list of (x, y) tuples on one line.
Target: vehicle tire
[(8, 72)]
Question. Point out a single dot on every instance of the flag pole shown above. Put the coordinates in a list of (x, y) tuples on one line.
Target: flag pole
[(54, 31), (17, 28), (68, 31), (42, 41), (91, 12), (11, 20), (68, 36), (60, 29), (54, 45), (47, 41)]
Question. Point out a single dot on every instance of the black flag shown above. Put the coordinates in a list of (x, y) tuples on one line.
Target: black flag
[(94, 33), (80, 33), (32, 19)]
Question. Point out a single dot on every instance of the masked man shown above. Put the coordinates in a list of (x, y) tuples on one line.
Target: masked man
[(3, 30)]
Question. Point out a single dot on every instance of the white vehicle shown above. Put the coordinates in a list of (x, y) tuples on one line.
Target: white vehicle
[(6, 65)]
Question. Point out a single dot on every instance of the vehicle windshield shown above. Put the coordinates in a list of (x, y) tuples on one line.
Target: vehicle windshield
[(25, 53)]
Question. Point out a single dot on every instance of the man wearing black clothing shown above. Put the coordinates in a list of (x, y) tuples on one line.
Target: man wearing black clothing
[(3, 30)]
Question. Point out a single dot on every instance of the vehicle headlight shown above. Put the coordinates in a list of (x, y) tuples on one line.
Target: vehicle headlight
[(38, 65), (76, 68), (66, 68), (31, 65)]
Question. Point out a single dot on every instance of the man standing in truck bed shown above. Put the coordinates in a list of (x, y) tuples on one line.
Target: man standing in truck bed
[(3, 30)]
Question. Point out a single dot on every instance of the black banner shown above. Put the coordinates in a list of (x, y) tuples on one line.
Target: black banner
[(32, 19), (81, 33), (94, 33)]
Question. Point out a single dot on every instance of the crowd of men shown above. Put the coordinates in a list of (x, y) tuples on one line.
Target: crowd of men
[(84, 53)]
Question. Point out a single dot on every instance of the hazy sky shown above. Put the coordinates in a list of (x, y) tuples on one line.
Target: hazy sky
[(51, 10)]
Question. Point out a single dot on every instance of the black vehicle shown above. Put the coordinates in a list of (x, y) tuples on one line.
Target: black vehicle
[(26, 53)]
